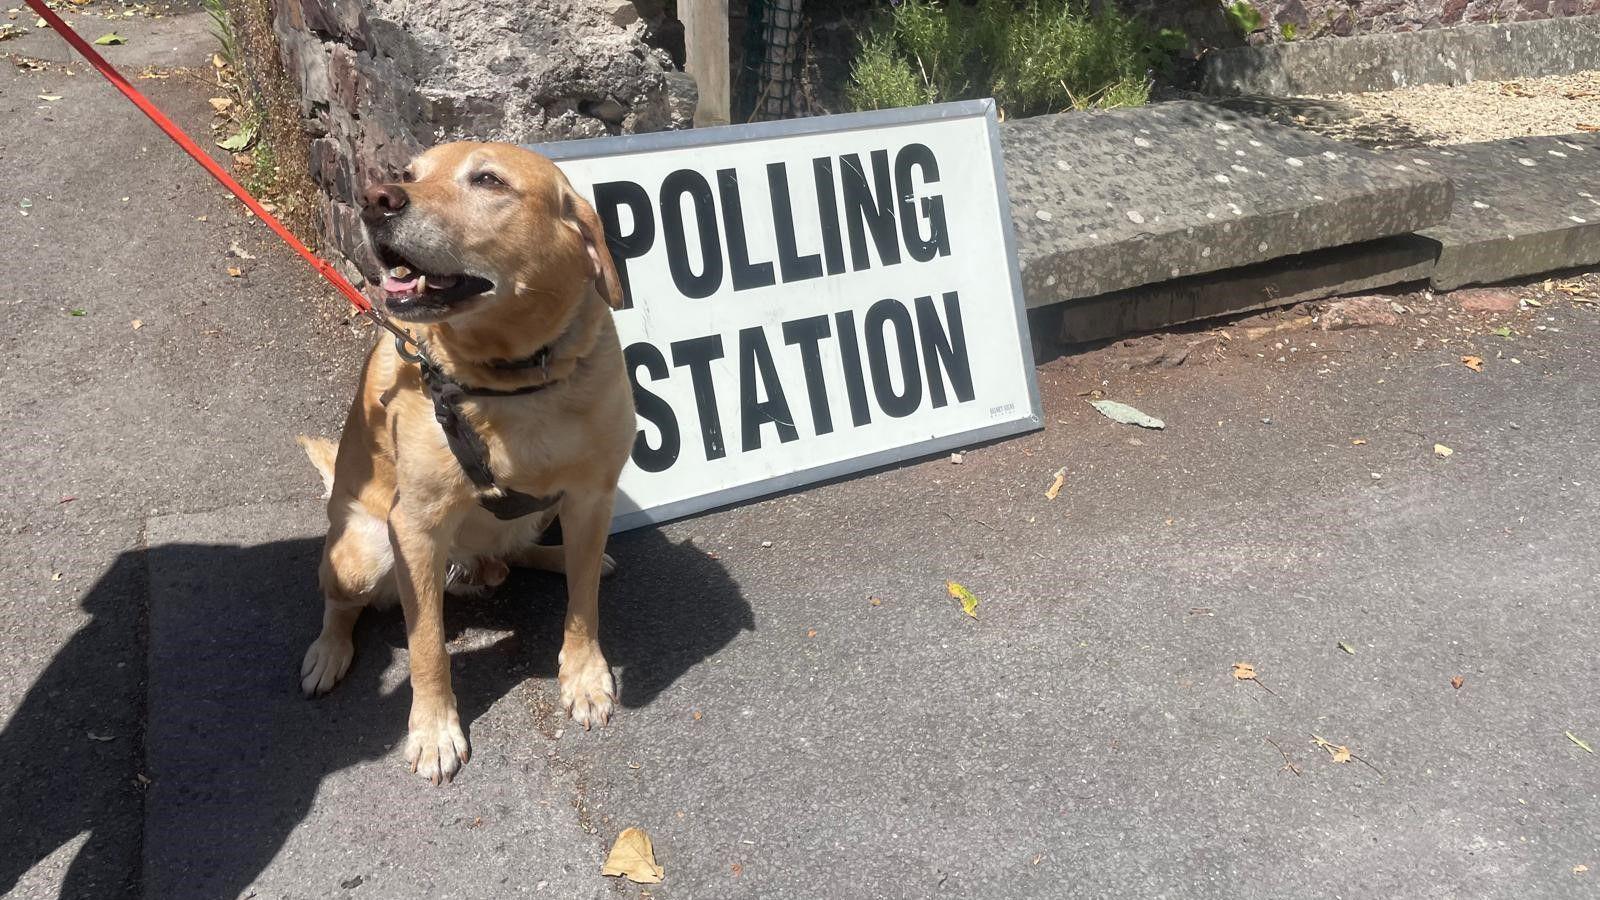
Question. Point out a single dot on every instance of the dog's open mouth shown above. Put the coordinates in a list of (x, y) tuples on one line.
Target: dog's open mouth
[(411, 293)]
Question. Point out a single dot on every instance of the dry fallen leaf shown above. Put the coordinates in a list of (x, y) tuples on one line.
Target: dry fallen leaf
[(137, 324), (1579, 741), (100, 737), (811, 633), (736, 869), (1441, 451), (1356, 442), (1347, 648), (1338, 752), (633, 858), (696, 714), (1244, 671), (969, 602), (1579, 869), (875, 601), (220, 104), (235, 272), (1475, 363), (1457, 682), (55, 576), (1055, 486)]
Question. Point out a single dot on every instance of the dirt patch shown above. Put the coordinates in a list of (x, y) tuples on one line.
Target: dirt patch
[(278, 166)]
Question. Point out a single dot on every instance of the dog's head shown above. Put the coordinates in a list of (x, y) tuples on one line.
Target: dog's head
[(471, 227)]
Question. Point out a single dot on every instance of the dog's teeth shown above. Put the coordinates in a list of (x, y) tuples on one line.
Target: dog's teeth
[(400, 271), (422, 282)]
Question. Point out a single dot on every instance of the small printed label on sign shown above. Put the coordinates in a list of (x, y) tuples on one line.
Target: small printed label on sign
[(808, 298)]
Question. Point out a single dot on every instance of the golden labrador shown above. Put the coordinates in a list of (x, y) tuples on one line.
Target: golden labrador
[(502, 271)]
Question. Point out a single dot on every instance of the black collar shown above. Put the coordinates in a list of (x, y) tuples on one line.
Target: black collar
[(539, 359)]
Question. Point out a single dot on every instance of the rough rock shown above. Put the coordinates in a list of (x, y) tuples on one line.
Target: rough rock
[(1487, 300), (1357, 312), (382, 79)]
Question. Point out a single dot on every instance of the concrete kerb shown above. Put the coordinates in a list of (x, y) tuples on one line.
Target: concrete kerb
[(1124, 227), (1523, 206), (1106, 202)]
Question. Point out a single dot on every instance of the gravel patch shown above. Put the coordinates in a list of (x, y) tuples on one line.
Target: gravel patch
[(1436, 115)]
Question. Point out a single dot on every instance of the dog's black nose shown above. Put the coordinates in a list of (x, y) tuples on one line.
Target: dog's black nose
[(382, 202)]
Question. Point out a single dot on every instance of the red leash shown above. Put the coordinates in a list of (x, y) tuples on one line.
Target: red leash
[(356, 298)]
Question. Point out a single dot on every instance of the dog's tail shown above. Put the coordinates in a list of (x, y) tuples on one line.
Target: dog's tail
[(322, 452)]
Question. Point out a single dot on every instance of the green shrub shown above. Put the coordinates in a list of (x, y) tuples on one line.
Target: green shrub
[(882, 79), (1244, 16), (1032, 56)]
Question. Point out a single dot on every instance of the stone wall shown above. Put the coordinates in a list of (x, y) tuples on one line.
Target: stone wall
[(1204, 22), (381, 79), (1315, 18)]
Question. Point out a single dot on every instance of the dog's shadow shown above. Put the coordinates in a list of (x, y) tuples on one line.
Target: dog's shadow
[(237, 757)]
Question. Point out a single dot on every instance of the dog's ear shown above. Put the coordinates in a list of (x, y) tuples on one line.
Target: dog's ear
[(606, 280)]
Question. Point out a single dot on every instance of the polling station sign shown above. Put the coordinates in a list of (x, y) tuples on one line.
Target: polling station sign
[(808, 298)]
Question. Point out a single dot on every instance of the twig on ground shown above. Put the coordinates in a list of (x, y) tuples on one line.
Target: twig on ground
[(1286, 763)]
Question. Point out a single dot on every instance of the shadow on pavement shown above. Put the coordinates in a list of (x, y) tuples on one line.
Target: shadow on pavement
[(237, 757), (71, 749)]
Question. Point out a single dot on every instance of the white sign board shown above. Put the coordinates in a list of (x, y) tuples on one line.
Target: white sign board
[(808, 298)]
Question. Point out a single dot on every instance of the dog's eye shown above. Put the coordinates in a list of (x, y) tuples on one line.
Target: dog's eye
[(408, 176), (487, 179)]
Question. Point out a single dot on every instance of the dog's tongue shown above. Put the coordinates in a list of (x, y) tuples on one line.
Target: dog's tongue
[(399, 285)]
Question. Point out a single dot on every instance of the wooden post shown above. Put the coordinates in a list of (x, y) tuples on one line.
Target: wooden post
[(705, 39)]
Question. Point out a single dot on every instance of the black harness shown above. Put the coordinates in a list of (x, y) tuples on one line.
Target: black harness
[(466, 445)]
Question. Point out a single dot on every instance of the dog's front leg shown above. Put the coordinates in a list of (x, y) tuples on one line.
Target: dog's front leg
[(587, 690), (436, 748)]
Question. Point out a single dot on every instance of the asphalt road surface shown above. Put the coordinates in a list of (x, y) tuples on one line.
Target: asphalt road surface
[(805, 710)]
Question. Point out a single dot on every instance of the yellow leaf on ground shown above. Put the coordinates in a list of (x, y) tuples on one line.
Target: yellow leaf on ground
[(1358, 441), (633, 858), (1475, 363), (137, 324), (1338, 752), (969, 602), (220, 104), (1244, 671), (1441, 451), (1055, 486)]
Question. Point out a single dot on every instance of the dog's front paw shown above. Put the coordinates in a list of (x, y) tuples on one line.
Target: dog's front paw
[(327, 659), (436, 748), (587, 689)]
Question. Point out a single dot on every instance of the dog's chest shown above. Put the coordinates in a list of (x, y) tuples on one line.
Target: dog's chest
[(537, 452)]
